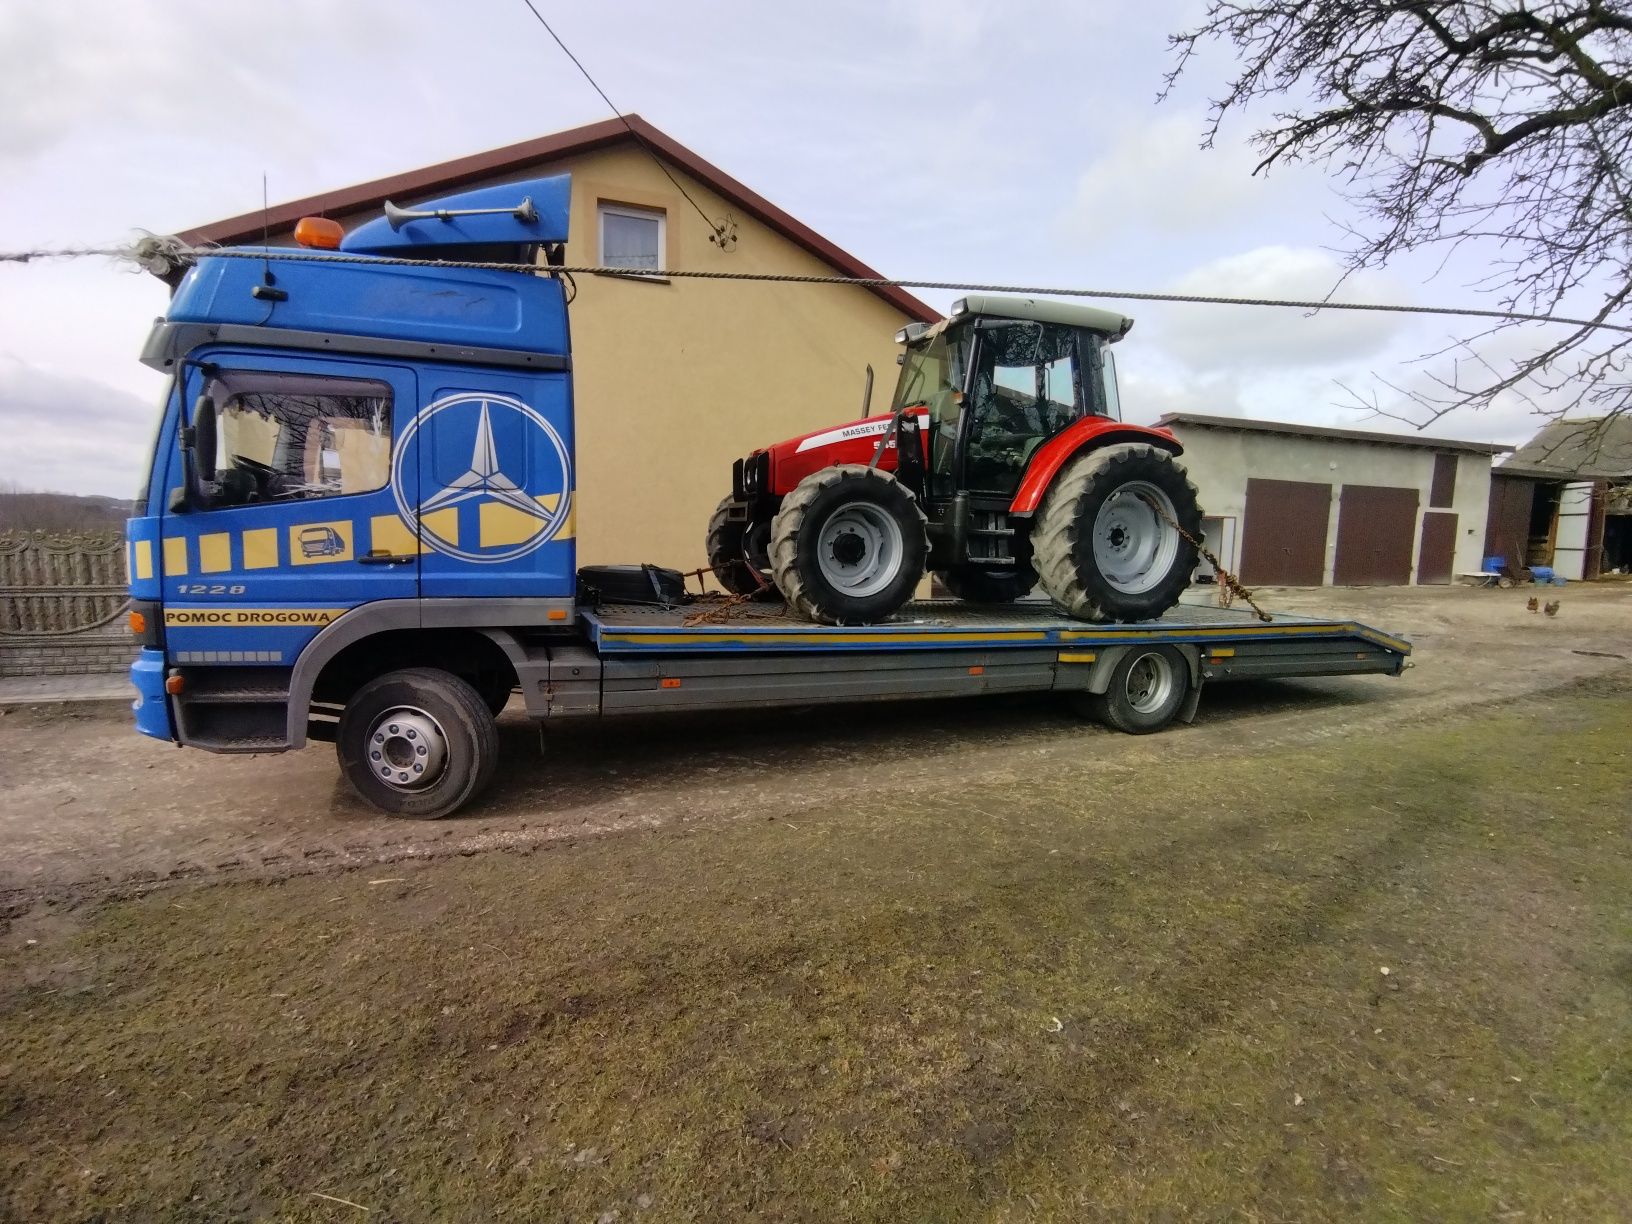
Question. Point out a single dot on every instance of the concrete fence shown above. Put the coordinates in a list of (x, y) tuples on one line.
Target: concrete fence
[(62, 600)]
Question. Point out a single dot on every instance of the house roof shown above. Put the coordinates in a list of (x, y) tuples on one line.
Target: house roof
[(529, 156), (1593, 448), (1249, 425)]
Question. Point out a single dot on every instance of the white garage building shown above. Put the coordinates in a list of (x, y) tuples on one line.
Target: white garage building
[(1303, 505)]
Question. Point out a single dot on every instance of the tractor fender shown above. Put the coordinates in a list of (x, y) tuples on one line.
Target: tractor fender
[(1090, 433)]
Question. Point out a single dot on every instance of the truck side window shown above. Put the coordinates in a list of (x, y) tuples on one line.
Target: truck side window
[(284, 437)]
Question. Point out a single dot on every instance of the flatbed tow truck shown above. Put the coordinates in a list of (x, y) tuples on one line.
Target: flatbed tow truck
[(358, 527)]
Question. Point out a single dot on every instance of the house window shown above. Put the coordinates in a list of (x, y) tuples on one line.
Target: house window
[(632, 238)]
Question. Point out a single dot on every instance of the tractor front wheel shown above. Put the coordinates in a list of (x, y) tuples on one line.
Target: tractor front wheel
[(1105, 541), (848, 546)]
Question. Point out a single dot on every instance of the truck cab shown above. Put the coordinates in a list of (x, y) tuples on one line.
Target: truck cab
[(359, 445)]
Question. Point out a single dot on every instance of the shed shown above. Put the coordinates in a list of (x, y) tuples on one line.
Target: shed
[(1306, 505), (1564, 499)]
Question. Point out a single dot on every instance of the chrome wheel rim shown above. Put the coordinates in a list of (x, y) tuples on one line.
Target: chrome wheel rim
[(407, 749), (1134, 547), (1150, 683), (859, 549)]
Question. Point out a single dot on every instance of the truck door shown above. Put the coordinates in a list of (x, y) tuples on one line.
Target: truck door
[(301, 522), (496, 487)]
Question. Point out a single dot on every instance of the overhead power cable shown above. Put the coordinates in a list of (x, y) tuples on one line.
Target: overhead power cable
[(715, 226), (153, 250)]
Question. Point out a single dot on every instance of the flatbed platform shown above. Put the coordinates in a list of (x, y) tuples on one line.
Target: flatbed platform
[(942, 624)]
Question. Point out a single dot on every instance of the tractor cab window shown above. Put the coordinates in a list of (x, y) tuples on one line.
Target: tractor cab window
[(1028, 386), (931, 375), (283, 437)]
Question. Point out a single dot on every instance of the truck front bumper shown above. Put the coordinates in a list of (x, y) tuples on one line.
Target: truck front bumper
[(152, 706)]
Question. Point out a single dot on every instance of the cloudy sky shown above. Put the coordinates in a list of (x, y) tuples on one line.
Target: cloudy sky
[(943, 139)]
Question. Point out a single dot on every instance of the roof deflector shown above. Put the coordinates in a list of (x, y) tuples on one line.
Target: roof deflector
[(521, 214)]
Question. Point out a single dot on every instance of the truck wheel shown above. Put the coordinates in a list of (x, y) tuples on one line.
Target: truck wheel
[(1104, 550), (848, 546), (417, 742), (736, 550), (1148, 685), (989, 586)]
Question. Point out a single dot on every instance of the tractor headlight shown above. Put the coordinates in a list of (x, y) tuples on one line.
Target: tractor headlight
[(961, 306)]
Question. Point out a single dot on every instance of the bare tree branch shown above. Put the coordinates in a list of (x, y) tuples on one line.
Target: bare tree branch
[(1503, 123)]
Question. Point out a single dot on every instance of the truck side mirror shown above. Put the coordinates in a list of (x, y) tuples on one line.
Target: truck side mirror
[(198, 443), (203, 437)]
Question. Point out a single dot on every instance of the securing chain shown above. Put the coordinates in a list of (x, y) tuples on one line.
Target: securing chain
[(1229, 582)]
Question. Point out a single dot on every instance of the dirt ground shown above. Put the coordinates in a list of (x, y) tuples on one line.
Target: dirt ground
[(91, 808), (1340, 952)]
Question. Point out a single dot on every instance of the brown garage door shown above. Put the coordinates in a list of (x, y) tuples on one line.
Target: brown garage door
[(1507, 529), (1283, 541), (1376, 527), (1438, 552)]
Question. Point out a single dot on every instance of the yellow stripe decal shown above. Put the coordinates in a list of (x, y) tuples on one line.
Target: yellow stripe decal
[(238, 617), (825, 639), (215, 553), (175, 556), (1077, 656), (144, 559), (261, 548)]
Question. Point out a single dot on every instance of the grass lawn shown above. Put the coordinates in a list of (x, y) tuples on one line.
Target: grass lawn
[(1380, 978)]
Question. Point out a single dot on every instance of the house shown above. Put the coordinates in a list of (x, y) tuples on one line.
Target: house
[(674, 379), (1305, 505), (1564, 499)]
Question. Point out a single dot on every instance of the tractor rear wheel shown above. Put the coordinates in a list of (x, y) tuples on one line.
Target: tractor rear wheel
[(989, 586), (1104, 541), (738, 551), (848, 546)]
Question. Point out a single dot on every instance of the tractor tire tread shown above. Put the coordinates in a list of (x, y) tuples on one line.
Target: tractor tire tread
[(1056, 531), (789, 522), (725, 553)]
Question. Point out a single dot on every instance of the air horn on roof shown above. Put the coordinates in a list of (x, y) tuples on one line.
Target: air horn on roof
[(398, 217)]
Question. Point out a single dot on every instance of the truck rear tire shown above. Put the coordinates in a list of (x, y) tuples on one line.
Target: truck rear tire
[(848, 546), (1147, 689), (418, 742), (730, 546), (989, 586), (1101, 541)]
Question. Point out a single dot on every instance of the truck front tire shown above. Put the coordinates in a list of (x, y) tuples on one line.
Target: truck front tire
[(849, 545), (418, 742)]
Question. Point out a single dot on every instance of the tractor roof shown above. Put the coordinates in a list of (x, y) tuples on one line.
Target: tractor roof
[(1044, 310)]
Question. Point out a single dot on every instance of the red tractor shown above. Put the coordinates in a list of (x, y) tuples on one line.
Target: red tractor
[(1001, 464)]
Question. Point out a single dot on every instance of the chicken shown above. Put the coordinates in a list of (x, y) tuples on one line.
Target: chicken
[(1533, 604), (1550, 607)]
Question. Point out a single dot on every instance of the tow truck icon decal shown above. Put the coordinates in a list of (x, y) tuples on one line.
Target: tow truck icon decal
[(512, 517)]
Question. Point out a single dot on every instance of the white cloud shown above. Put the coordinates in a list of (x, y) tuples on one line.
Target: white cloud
[(1259, 338), (104, 451)]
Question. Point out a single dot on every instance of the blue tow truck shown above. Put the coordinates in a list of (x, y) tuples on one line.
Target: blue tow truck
[(358, 526)]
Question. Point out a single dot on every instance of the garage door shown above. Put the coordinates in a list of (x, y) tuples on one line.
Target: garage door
[(1283, 541), (1507, 530), (1376, 527), (1438, 552)]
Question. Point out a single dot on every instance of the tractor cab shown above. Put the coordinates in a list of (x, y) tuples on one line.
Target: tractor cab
[(997, 386)]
